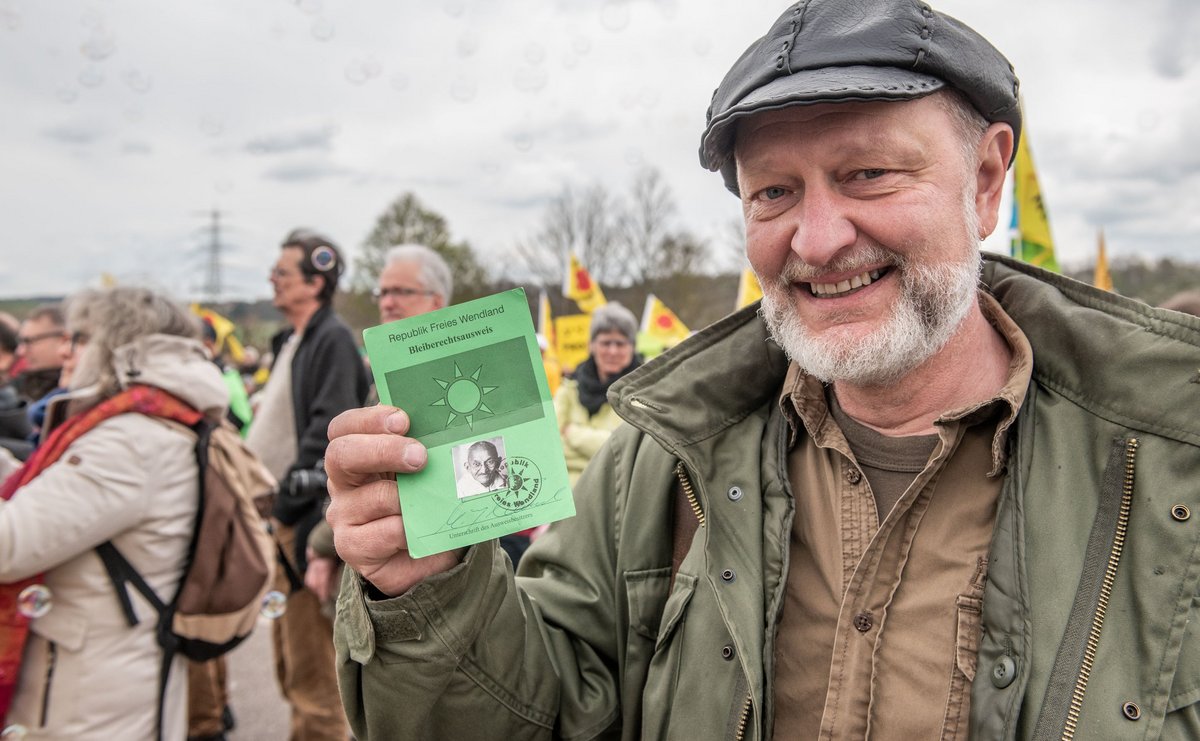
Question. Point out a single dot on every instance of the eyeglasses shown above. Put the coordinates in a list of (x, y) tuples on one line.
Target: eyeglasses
[(39, 337), (486, 463), (613, 344), (77, 339), (401, 293)]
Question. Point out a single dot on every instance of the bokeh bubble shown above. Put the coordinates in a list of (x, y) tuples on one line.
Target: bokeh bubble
[(34, 601), (10, 14), (701, 47), (138, 81), (92, 18), (274, 604), (399, 82), (309, 7), (91, 76), (581, 44), (523, 141), (570, 61), (100, 45), (467, 44), (614, 15), (362, 70), (15, 732), (463, 89), (535, 53), (529, 79), (211, 126), (66, 94), (323, 29)]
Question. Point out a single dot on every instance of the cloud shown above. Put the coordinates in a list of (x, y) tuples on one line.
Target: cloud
[(1173, 50), (76, 134), (296, 141), (306, 172)]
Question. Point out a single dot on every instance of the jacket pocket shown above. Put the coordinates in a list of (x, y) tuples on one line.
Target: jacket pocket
[(966, 657), (1185, 687), (654, 649), (46, 696)]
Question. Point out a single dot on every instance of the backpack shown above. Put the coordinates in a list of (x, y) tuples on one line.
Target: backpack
[(230, 562)]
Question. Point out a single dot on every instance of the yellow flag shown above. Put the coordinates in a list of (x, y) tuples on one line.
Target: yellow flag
[(545, 328), (1102, 278), (1031, 240), (661, 323), (225, 333), (748, 289), (571, 332), (581, 288)]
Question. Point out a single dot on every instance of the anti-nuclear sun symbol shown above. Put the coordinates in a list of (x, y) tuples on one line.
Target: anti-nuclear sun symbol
[(464, 396)]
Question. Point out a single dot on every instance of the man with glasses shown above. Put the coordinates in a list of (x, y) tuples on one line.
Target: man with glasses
[(317, 374), (415, 280), (40, 347)]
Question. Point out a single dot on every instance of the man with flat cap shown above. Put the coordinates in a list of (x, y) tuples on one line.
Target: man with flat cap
[(918, 494)]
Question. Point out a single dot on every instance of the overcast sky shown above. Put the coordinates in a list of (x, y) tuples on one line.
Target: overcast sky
[(125, 121)]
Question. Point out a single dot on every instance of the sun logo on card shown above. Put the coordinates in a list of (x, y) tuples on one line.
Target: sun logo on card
[(464, 396)]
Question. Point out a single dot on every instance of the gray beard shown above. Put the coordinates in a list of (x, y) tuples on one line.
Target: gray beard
[(934, 301)]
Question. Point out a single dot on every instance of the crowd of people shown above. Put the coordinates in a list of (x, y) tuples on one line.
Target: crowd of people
[(918, 493)]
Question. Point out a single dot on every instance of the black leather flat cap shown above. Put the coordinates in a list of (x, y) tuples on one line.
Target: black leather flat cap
[(830, 51)]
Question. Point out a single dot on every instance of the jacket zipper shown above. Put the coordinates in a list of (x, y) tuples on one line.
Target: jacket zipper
[(1106, 587), (50, 663), (743, 719), (689, 492)]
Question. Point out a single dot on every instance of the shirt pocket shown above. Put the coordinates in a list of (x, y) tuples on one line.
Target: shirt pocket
[(969, 609)]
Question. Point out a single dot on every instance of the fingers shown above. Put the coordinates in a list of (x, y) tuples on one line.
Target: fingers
[(369, 420), (358, 458), (365, 503)]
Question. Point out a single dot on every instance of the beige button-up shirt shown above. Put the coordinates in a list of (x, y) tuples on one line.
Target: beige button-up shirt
[(881, 620)]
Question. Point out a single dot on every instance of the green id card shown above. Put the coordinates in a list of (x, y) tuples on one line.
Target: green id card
[(471, 379)]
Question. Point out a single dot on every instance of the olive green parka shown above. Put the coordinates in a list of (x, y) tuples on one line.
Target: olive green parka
[(1088, 627)]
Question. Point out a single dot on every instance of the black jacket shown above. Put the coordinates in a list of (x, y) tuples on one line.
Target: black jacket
[(328, 377)]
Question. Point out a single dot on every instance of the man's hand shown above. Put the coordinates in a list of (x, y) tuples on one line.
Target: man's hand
[(366, 448), (321, 575)]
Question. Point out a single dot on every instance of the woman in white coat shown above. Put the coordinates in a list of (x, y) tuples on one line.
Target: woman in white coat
[(120, 468)]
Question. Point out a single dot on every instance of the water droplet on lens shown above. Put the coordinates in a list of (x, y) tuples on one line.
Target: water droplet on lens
[(467, 44), (633, 157), (34, 601), (10, 14), (274, 604), (372, 67), (454, 8), (137, 81), (581, 44), (356, 73), (701, 47), (309, 7), (67, 94), (99, 46), (399, 82), (529, 79), (463, 89), (535, 53), (322, 29), (211, 126), (92, 18), (14, 732), (570, 61), (91, 76), (523, 142), (614, 16)]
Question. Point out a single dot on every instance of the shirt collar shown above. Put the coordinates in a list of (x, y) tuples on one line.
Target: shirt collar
[(802, 398)]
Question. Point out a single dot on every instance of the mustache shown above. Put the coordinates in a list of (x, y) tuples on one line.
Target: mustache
[(796, 270)]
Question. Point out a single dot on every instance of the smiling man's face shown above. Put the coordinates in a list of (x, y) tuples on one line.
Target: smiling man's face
[(862, 226)]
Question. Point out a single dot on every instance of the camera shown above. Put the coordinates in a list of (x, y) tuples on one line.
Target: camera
[(306, 483)]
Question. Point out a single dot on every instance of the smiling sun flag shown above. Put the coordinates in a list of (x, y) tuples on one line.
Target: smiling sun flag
[(581, 289), (661, 323), (1031, 240)]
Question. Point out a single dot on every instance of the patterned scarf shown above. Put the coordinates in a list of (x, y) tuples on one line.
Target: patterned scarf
[(14, 627)]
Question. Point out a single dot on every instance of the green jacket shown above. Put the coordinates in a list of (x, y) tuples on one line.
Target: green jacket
[(1093, 563)]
